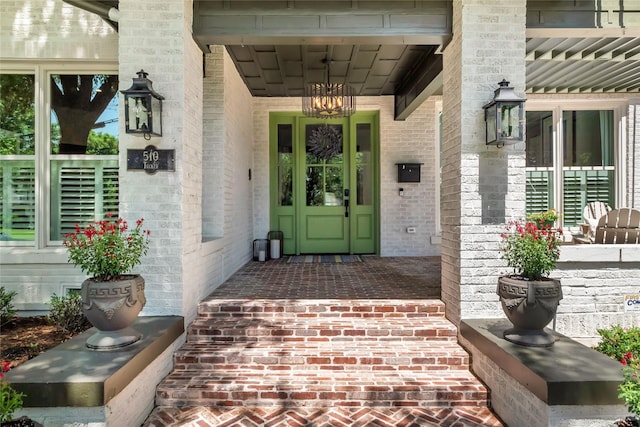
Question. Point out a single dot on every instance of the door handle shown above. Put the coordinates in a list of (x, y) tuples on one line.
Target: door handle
[(346, 208)]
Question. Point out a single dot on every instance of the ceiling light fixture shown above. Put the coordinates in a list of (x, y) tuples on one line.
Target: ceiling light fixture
[(328, 100)]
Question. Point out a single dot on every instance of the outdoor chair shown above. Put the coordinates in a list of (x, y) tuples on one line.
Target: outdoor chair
[(592, 213), (620, 226)]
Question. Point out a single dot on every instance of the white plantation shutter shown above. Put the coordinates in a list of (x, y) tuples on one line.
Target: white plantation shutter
[(17, 207), (539, 191), (584, 186), (83, 192)]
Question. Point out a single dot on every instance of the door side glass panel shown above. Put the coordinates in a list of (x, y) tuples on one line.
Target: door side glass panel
[(17, 157), (364, 168), (285, 165)]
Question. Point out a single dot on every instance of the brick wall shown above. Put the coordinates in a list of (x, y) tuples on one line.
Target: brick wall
[(147, 40), (51, 29), (239, 158), (482, 186), (633, 158)]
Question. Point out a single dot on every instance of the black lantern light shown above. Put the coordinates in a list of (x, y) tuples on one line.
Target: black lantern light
[(142, 108), (328, 100), (504, 116)]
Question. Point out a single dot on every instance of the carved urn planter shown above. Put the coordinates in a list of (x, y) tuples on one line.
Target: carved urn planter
[(112, 307), (530, 305)]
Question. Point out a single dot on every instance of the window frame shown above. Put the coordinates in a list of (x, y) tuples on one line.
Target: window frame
[(557, 107), (42, 72)]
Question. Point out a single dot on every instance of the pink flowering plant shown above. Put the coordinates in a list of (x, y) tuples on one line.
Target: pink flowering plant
[(531, 248), (10, 400), (107, 249)]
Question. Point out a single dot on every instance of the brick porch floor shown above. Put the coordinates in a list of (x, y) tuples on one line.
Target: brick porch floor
[(345, 344)]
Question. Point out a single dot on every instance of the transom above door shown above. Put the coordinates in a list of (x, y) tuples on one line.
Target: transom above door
[(323, 187)]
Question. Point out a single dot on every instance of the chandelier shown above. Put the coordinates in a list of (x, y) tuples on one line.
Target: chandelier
[(328, 100)]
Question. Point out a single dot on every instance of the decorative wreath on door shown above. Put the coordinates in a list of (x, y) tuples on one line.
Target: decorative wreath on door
[(325, 142)]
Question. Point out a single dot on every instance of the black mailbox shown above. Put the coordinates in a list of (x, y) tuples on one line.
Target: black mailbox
[(408, 172)]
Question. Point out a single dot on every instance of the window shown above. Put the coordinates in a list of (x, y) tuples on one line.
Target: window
[(64, 172), (570, 160)]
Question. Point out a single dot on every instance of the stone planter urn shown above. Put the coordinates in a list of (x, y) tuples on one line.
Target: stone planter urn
[(112, 307), (530, 305)]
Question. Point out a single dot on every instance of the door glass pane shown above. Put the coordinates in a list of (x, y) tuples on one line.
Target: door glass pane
[(315, 185), (333, 186), (324, 165), (364, 168), (285, 165), (17, 157)]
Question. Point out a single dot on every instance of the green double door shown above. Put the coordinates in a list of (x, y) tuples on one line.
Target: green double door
[(324, 195)]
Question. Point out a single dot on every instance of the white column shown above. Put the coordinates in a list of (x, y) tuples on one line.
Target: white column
[(155, 35), (482, 186)]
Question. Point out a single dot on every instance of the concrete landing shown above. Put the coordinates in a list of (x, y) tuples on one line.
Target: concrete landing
[(567, 373), (72, 375), (567, 384)]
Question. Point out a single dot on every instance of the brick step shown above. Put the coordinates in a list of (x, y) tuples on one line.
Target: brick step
[(363, 357), (320, 329), (270, 308), (263, 388)]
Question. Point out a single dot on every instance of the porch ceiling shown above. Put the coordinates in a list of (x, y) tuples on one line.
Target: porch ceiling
[(558, 60), (583, 61)]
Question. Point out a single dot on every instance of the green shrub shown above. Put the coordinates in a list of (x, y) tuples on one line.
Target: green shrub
[(616, 341), (66, 313), (624, 346), (6, 305)]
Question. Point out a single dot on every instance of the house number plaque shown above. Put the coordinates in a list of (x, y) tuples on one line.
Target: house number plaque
[(151, 160)]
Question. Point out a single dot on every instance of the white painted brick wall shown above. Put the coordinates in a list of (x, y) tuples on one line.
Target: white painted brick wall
[(488, 45), (54, 30), (213, 149), (239, 158), (151, 38), (633, 163), (451, 203)]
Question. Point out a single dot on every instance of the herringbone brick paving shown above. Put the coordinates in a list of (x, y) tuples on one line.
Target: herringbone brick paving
[(324, 344)]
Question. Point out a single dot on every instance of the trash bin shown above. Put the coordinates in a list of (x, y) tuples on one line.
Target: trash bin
[(260, 250), (276, 242)]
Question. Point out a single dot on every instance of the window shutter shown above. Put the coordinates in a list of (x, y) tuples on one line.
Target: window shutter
[(539, 191), (77, 197), (17, 207), (582, 187), (84, 193), (573, 197)]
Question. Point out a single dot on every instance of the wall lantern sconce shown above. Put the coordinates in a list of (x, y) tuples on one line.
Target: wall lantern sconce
[(142, 108), (504, 116)]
